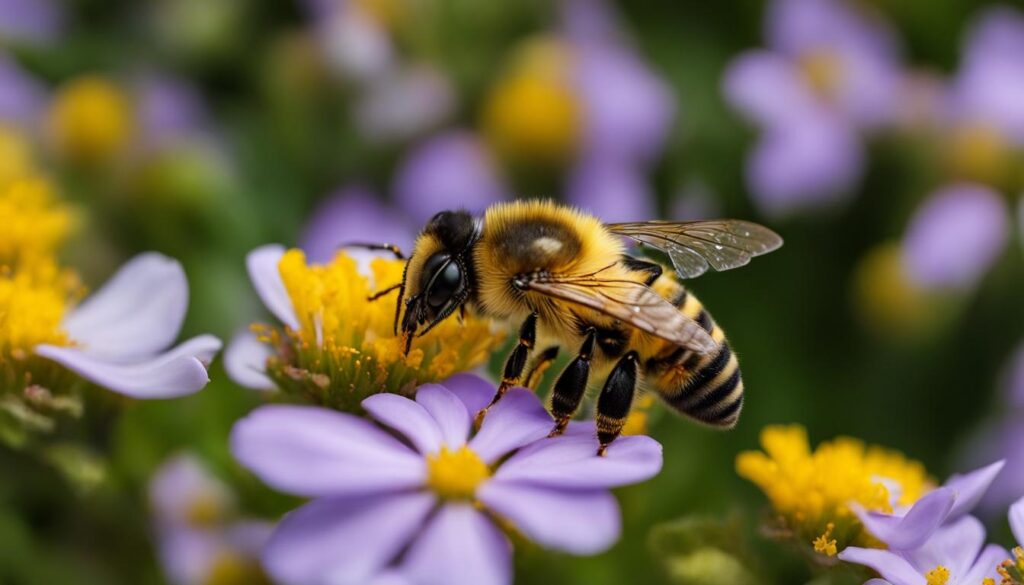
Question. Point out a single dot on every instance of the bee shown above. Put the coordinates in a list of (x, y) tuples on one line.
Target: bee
[(569, 281)]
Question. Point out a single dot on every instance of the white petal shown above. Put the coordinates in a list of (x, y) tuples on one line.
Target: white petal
[(174, 373), (266, 279), (245, 361), (137, 313)]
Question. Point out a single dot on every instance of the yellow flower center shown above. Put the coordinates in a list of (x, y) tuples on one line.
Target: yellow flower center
[(937, 576), (231, 568), (32, 305), (205, 510), (35, 222), (888, 301), (90, 120), (981, 152), (823, 71), (533, 114), (456, 474), (811, 490), (345, 347)]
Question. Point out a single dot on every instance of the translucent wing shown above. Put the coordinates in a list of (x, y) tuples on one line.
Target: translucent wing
[(695, 246), (629, 302)]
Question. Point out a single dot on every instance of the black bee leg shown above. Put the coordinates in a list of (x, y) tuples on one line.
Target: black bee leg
[(615, 400), (384, 292), (376, 247), (539, 366), (516, 362), (570, 386)]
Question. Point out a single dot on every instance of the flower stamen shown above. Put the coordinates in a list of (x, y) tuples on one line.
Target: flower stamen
[(456, 474)]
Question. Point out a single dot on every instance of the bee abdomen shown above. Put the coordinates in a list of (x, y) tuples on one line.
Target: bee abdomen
[(713, 392)]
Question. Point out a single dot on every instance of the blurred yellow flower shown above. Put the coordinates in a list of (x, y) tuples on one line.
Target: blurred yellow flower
[(345, 348), (981, 153), (811, 491), (16, 160), (639, 416), (36, 223), (32, 306), (91, 120), (533, 114), (886, 299)]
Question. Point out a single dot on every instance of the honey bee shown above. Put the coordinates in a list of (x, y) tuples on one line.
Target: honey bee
[(569, 280)]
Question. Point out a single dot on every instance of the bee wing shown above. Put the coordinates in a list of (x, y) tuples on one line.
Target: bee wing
[(629, 302), (695, 246)]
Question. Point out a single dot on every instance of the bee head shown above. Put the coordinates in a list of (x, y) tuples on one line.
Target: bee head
[(439, 273)]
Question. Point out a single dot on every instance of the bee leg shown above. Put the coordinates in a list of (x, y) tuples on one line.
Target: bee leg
[(515, 364), (384, 292), (374, 246), (615, 401), (540, 365), (570, 386)]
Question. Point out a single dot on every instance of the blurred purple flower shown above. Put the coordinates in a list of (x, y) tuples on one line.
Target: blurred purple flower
[(376, 496), (403, 102), (955, 237), (121, 334), (612, 189), (829, 74), (355, 44), (353, 214), (22, 98), (452, 170), (32, 21), (169, 109), (195, 527)]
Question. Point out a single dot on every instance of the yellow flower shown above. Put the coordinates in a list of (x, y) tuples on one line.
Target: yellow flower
[(533, 114), (36, 223), (811, 491), (16, 160), (345, 347), (889, 303), (90, 120)]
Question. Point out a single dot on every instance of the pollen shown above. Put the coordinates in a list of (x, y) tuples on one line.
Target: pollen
[(533, 114), (456, 474), (36, 223), (825, 544), (811, 491), (937, 576), (16, 160), (823, 70), (90, 120), (32, 306), (345, 347)]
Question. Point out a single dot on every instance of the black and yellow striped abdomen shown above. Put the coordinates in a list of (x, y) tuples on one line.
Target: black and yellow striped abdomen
[(707, 388)]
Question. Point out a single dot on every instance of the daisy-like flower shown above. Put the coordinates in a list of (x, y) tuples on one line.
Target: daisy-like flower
[(200, 538), (830, 73), (431, 500), (335, 346), (811, 492), (934, 542), (116, 338)]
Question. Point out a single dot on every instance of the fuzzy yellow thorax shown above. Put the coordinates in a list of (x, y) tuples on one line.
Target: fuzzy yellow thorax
[(91, 120), (533, 114), (810, 491), (345, 348), (456, 474), (36, 223)]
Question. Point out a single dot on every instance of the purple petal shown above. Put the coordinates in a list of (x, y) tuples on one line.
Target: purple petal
[(449, 171), (877, 582), (448, 411), (571, 462), (474, 391), (611, 189), (356, 45), (30, 20), (169, 108), (344, 540), (955, 546), (889, 565), (628, 110), (989, 89), (589, 21), (137, 313), (1016, 516), (970, 487), (310, 451), (353, 215), (177, 372), (408, 418), (955, 237), (21, 96), (985, 566), (245, 361), (249, 536), (187, 556), (912, 530), (402, 103), (517, 419), (767, 88), (582, 523), (266, 279), (809, 164), (460, 546)]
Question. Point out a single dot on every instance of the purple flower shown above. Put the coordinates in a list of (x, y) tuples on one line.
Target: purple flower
[(353, 214), (401, 103), (611, 189), (21, 96), (955, 237), (424, 504), (355, 44), (121, 334), (196, 528), (169, 109), (30, 20), (829, 74), (451, 170)]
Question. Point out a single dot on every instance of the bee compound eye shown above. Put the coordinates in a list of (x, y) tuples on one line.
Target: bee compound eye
[(444, 285)]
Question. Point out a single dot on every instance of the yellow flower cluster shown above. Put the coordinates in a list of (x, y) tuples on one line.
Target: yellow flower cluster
[(91, 120), (811, 491), (36, 223), (345, 348)]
